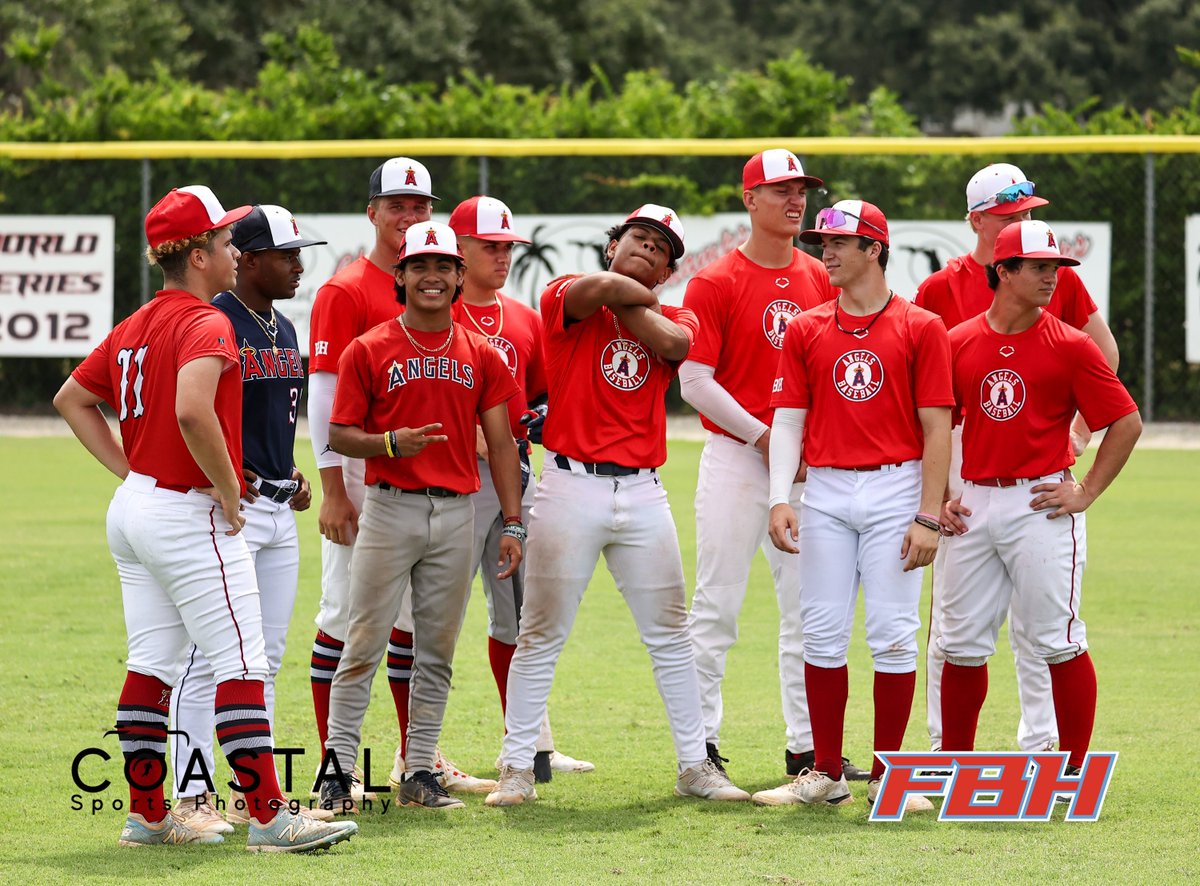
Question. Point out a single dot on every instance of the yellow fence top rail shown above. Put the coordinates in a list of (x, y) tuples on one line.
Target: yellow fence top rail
[(625, 147)]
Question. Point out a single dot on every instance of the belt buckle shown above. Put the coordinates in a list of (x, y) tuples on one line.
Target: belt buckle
[(600, 469), (283, 491)]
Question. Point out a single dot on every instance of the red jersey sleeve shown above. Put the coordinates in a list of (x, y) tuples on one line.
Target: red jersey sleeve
[(933, 293), (791, 388), (686, 320), (931, 370), (94, 373), (552, 302), (1072, 303), (1099, 394), (351, 397), (336, 320), (702, 299), (207, 334)]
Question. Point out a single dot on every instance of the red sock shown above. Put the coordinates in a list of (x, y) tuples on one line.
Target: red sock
[(399, 671), (893, 705), (500, 655), (326, 654), (828, 689), (1074, 685), (142, 713), (963, 692), (244, 733)]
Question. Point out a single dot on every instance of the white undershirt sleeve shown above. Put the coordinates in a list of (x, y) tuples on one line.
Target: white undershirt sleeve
[(320, 406), (701, 390), (787, 437)]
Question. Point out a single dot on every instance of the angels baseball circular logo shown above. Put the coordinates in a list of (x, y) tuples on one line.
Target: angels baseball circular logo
[(506, 351), (858, 375), (625, 364), (1002, 394), (775, 320)]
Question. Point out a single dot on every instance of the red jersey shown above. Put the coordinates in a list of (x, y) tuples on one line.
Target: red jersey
[(1020, 394), (863, 393), (353, 300), (606, 388), (385, 383), (743, 310), (515, 331), (136, 370), (959, 292)]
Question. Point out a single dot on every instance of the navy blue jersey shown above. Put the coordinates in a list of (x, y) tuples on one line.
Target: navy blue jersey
[(272, 384)]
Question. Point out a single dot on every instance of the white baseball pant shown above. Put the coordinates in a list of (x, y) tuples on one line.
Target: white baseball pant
[(1038, 727), (732, 513), (1013, 555), (274, 546), (577, 517), (184, 580), (851, 531)]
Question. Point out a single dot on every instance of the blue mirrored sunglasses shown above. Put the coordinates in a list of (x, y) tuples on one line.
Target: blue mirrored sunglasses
[(1011, 194)]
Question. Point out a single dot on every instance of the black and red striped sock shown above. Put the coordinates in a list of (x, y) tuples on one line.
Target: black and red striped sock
[(244, 733), (893, 705), (1074, 687), (399, 672), (964, 690), (326, 654), (828, 689), (500, 656), (142, 714)]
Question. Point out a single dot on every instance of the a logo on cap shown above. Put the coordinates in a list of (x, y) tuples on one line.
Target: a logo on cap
[(1050, 239), (295, 227), (858, 375), (431, 237), (410, 176), (1002, 394), (504, 221), (666, 219), (792, 164)]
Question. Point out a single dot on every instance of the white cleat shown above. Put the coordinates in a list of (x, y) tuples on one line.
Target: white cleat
[(200, 813), (912, 803), (455, 780), (563, 763), (708, 782), (396, 778), (811, 788), (513, 789)]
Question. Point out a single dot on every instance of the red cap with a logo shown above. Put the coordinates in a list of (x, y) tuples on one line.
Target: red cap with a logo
[(1029, 239), (661, 218), (485, 218), (855, 218), (775, 165), (186, 212)]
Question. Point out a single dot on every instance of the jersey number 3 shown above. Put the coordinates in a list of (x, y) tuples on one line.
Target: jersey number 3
[(129, 359)]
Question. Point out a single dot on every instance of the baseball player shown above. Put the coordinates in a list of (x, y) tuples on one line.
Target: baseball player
[(408, 396), (864, 382), (743, 302), (611, 351), (1000, 195), (269, 269), (1016, 531), (355, 299), (486, 234), (174, 525)]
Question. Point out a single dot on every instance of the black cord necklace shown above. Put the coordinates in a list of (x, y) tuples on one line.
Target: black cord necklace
[(862, 330)]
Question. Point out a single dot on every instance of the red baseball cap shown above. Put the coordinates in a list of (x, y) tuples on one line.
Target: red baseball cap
[(1029, 239), (484, 218), (429, 238), (1001, 189), (775, 165), (661, 218), (855, 218), (186, 212)]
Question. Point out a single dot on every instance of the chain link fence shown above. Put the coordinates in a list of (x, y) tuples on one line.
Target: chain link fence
[(1145, 197)]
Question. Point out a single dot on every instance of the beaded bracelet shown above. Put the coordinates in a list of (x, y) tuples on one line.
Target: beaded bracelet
[(508, 521)]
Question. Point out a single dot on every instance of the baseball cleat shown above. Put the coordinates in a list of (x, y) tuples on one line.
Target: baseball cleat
[(513, 789), (356, 785), (172, 830), (424, 789), (797, 763), (708, 782), (912, 803), (563, 763), (337, 798), (238, 810), (455, 780), (397, 774), (200, 813), (811, 788), (294, 832)]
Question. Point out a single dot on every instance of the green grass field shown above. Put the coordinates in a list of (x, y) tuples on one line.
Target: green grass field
[(62, 652)]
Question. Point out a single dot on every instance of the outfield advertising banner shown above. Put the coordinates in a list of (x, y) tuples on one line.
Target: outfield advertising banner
[(573, 244), (56, 284), (1191, 286)]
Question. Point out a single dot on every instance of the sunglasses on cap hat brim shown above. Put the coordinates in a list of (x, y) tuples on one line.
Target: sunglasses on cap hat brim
[(832, 221), (1017, 197)]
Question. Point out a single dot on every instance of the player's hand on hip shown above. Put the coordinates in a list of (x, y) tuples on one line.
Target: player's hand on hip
[(952, 517), (511, 554), (302, 497), (784, 528), (251, 478), (919, 547), (1067, 497), (337, 519), (410, 441)]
